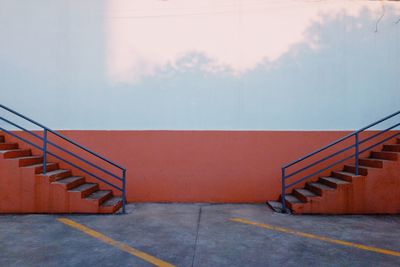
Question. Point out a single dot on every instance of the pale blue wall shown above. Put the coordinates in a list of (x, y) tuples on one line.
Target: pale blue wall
[(54, 58)]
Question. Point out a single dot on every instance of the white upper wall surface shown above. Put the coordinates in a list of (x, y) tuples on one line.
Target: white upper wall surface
[(203, 65)]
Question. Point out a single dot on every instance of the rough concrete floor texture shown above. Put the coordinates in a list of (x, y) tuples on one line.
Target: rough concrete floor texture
[(197, 235)]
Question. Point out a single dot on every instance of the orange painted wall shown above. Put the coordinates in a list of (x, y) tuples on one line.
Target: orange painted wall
[(202, 166)]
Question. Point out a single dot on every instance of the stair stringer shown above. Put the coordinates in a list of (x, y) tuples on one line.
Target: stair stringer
[(23, 190), (376, 193)]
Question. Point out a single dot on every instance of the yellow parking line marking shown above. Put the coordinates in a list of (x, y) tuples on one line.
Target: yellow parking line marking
[(325, 239), (122, 246)]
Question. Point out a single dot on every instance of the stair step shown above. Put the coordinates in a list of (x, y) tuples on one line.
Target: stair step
[(318, 188), (85, 189), (39, 167), (393, 156), (291, 201), (8, 146), (100, 196), (347, 176), (2, 138), (332, 181), (368, 162), (393, 148), (31, 160), (304, 194), (70, 182), (362, 170), (398, 140), (16, 153), (111, 205), (58, 174), (112, 202)]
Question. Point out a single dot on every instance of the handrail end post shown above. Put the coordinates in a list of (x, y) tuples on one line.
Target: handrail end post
[(357, 153), (283, 195), (44, 151), (283, 200), (124, 191)]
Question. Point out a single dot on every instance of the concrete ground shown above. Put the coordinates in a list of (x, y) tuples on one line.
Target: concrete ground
[(199, 235)]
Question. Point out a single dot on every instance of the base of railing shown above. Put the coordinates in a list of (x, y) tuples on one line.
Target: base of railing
[(277, 207), (123, 207)]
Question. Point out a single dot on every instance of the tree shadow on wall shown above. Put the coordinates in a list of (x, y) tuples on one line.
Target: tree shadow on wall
[(341, 67)]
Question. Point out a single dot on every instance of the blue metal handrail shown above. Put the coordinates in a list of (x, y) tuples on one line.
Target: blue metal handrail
[(355, 145), (44, 149)]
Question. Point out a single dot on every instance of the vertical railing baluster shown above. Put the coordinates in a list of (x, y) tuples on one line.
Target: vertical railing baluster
[(124, 191), (357, 152), (45, 151), (283, 195)]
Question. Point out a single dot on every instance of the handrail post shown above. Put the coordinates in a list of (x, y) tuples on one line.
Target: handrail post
[(45, 151), (357, 153), (283, 195), (123, 191)]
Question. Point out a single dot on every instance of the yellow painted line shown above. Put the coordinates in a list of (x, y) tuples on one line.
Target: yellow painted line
[(122, 246), (325, 239)]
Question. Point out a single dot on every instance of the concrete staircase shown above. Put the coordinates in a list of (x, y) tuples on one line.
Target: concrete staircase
[(25, 189), (375, 191)]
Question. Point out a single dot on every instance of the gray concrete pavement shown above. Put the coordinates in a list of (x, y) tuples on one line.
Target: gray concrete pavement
[(197, 235)]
